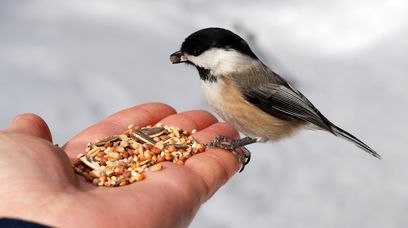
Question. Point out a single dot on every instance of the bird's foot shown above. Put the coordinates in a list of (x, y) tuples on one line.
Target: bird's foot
[(236, 147)]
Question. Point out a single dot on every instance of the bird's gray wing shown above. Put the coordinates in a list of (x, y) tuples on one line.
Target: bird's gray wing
[(285, 102), (281, 100)]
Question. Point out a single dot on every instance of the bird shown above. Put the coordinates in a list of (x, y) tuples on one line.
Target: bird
[(248, 95)]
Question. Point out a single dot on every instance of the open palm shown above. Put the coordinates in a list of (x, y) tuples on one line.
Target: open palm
[(39, 183)]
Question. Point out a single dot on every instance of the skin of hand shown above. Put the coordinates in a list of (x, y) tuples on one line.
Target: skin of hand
[(40, 185)]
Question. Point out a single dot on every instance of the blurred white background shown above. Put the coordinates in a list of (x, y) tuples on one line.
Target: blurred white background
[(75, 62)]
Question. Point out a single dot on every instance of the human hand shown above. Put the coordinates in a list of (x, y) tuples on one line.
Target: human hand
[(39, 183)]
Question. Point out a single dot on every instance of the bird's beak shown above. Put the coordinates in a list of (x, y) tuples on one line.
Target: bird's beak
[(177, 57)]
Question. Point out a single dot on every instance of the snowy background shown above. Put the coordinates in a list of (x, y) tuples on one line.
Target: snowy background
[(75, 62)]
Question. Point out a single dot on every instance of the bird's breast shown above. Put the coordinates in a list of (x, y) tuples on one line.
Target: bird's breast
[(227, 101)]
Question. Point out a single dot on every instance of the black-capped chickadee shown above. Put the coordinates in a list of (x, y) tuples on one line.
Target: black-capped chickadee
[(247, 94)]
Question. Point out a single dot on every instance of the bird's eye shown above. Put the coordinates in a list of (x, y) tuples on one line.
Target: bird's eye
[(195, 52)]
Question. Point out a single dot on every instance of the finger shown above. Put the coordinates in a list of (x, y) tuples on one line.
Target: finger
[(215, 166), (197, 119), (30, 124), (141, 115)]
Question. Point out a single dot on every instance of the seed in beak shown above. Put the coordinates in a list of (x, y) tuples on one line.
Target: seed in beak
[(176, 57)]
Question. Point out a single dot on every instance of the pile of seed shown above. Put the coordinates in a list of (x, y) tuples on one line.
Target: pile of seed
[(123, 159)]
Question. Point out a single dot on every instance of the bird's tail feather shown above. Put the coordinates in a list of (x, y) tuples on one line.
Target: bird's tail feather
[(344, 134)]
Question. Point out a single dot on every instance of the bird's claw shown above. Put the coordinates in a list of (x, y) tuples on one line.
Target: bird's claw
[(226, 143)]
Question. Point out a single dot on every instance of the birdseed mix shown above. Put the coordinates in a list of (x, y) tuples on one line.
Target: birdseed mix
[(123, 159)]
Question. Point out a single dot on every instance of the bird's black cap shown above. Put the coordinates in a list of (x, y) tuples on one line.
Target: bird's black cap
[(207, 38)]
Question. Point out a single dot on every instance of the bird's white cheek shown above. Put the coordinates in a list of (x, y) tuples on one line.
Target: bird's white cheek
[(207, 60), (220, 61)]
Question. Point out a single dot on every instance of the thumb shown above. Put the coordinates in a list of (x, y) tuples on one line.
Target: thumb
[(30, 124)]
